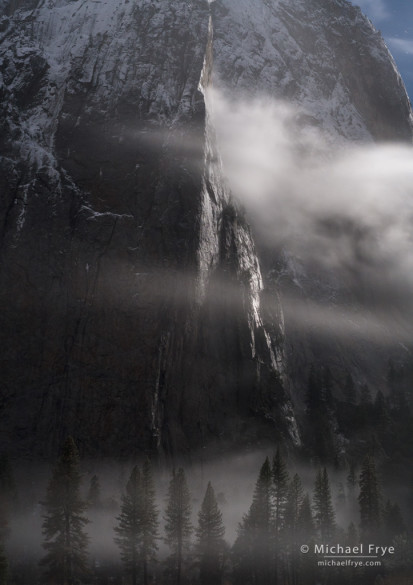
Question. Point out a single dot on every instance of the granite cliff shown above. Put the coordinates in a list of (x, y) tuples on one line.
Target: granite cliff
[(134, 311)]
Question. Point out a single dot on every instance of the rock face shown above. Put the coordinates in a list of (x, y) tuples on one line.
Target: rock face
[(131, 288), (322, 55), (134, 315), (325, 58)]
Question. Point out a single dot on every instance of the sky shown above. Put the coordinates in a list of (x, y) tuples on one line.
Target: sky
[(394, 18)]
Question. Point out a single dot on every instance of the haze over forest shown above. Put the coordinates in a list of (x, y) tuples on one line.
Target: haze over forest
[(206, 294)]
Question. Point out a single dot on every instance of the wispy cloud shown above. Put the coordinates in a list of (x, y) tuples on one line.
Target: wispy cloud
[(401, 45), (375, 9), (346, 212)]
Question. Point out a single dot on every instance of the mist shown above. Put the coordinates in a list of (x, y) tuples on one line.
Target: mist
[(233, 479), (341, 207)]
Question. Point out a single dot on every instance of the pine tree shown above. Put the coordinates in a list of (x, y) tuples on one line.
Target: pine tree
[(149, 521), (210, 533), (129, 526), (306, 526), (294, 504), (369, 500), (281, 480), (64, 521), (304, 574), (261, 513), (178, 526), (254, 545), (323, 507), (291, 529), (280, 490)]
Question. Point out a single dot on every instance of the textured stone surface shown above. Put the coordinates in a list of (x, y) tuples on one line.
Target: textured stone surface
[(130, 284), (133, 309), (323, 56), (327, 60)]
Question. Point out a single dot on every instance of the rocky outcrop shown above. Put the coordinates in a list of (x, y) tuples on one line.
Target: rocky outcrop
[(134, 314), (326, 59), (130, 284), (324, 56)]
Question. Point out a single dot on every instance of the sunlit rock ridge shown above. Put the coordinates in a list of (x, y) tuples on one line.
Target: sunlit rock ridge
[(322, 55), (325, 60), (134, 313)]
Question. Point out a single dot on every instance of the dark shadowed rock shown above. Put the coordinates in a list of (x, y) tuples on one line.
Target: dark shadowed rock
[(134, 316)]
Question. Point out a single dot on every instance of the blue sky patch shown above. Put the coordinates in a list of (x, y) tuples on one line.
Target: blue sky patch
[(394, 18)]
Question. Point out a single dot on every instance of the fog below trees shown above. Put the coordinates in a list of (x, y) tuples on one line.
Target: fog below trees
[(232, 478)]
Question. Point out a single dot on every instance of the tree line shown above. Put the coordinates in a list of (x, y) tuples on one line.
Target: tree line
[(337, 407), (267, 550)]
